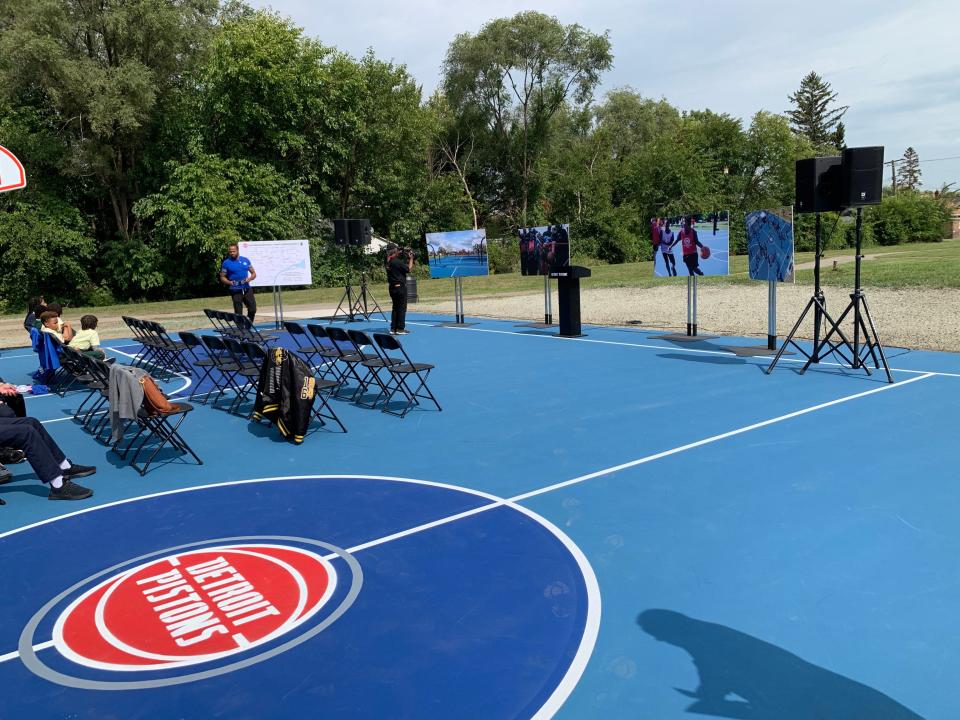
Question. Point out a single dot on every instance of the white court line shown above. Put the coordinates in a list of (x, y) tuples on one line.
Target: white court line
[(15, 654), (667, 347), (507, 502)]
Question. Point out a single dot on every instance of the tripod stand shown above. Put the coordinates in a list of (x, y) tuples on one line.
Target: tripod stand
[(818, 304), (366, 304), (346, 304), (861, 311)]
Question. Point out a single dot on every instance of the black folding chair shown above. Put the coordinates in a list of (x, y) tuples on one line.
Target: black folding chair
[(351, 358), (329, 351), (170, 352), (401, 375), (214, 317), (163, 429), (248, 369), (226, 368), (374, 363), (146, 348), (196, 356), (246, 330), (75, 363), (309, 350)]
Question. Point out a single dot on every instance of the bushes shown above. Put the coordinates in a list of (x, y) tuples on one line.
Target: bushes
[(504, 255), (909, 217)]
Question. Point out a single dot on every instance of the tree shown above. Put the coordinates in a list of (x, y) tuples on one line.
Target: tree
[(104, 68), (909, 174), (516, 73), (840, 136), (815, 114)]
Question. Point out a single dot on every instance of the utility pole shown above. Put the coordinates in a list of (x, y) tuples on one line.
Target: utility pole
[(893, 174)]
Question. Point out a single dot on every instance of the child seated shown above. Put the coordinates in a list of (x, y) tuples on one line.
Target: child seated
[(87, 340), (50, 323)]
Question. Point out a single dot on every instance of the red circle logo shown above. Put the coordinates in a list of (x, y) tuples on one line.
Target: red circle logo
[(194, 606)]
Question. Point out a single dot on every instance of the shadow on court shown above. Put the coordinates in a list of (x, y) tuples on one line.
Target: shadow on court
[(708, 359), (746, 678)]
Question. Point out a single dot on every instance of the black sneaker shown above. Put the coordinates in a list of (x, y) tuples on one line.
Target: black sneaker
[(5, 475), (12, 456), (76, 471), (69, 491)]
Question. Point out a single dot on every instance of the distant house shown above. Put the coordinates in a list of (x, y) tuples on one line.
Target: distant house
[(376, 245)]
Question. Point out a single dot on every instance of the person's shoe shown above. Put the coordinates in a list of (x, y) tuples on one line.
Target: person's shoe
[(403, 332), (5, 475), (69, 491), (2, 501), (78, 471), (12, 456)]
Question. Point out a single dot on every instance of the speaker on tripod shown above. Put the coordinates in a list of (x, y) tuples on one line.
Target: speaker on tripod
[(853, 180)]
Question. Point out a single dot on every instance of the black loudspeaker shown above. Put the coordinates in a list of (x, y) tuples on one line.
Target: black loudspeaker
[(862, 176), (360, 232), (819, 184), (341, 232), (352, 232)]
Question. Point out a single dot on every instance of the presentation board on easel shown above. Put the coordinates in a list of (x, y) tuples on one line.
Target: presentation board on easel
[(279, 263)]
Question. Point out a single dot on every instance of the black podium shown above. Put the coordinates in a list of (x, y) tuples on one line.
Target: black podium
[(568, 285)]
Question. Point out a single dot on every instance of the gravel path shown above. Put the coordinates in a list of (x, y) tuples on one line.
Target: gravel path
[(912, 318)]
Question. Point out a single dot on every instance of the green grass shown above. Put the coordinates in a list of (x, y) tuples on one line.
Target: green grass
[(915, 265)]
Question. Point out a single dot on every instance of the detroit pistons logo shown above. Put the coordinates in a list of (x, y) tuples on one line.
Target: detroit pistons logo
[(212, 608)]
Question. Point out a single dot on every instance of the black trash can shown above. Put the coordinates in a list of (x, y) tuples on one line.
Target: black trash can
[(411, 289)]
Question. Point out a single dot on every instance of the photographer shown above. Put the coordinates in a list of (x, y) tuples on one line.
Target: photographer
[(399, 263)]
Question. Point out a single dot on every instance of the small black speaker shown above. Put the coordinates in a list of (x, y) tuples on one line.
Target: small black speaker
[(818, 184), (341, 232), (862, 176), (360, 232)]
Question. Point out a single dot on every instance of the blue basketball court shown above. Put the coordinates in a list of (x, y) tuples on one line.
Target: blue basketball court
[(612, 526)]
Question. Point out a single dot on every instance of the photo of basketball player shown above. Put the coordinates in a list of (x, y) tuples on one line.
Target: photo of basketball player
[(701, 240)]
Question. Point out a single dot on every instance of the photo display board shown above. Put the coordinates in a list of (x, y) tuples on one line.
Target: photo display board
[(279, 262), (691, 244), (770, 244), (544, 248), (458, 253)]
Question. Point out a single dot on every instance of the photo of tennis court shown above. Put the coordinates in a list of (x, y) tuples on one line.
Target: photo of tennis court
[(458, 253)]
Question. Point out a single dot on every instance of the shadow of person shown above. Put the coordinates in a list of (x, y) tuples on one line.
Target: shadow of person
[(766, 682)]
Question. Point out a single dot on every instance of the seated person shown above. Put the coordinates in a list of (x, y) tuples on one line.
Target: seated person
[(36, 306), (87, 340), (51, 324), (45, 457)]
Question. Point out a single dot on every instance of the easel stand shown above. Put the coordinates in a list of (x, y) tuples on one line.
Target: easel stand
[(863, 327), (457, 305), (547, 302), (818, 304), (772, 314), (277, 307), (692, 306)]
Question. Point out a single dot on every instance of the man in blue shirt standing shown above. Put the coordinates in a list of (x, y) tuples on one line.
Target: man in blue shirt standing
[(236, 272)]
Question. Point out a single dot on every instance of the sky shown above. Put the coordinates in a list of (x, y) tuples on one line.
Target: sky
[(896, 64)]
